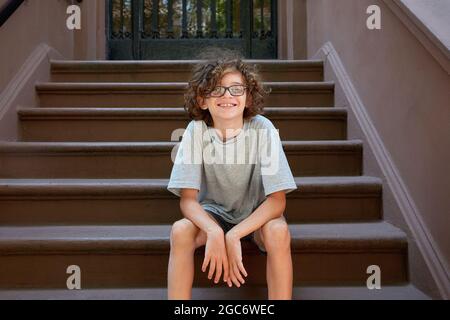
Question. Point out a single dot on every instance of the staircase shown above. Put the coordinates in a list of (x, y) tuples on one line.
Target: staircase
[(86, 185)]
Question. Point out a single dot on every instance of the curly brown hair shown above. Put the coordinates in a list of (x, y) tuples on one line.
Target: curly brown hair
[(214, 63)]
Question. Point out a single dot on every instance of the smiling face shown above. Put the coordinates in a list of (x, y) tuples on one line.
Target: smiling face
[(227, 107)]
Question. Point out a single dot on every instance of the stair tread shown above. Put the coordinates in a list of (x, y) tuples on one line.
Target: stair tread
[(133, 65), (140, 86), (359, 184), (400, 292), (378, 235), (26, 113), (18, 147)]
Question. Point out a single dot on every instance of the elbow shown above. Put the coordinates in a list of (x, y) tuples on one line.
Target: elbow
[(183, 204), (282, 208), (279, 200), (187, 200)]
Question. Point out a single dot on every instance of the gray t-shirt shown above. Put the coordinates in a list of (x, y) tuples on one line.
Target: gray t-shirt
[(233, 177)]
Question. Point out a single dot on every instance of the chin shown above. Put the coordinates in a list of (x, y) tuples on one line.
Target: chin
[(229, 115)]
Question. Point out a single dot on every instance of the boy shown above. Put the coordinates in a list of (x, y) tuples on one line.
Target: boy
[(222, 202)]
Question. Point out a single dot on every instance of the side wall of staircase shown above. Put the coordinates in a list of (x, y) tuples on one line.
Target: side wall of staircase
[(395, 83)]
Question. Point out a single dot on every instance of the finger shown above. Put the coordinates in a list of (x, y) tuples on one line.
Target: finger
[(206, 262), (230, 284), (212, 267), (233, 278), (230, 276), (242, 269), (235, 281), (226, 273), (218, 271), (237, 273)]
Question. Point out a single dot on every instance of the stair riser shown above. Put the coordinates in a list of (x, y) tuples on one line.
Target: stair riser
[(120, 271), (170, 75), (161, 129), (134, 210), (173, 98), (156, 165)]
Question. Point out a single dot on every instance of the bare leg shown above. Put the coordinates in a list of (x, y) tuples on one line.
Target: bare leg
[(277, 241), (185, 237)]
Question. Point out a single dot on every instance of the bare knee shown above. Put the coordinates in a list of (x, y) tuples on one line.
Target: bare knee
[(182, 235), (277, 237)]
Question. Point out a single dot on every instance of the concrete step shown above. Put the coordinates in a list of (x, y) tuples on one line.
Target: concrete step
[(399, 292), (157, 124), (153, 159), (116, 201), (170, 94), (174, 71), (137, 256)]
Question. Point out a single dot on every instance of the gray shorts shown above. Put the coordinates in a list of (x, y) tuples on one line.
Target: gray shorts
[(227, 226)]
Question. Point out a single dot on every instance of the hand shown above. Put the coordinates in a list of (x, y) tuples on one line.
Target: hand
[(216, 255), (236, 267)]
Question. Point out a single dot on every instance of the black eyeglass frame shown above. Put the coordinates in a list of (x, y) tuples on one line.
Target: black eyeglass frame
[(228, 88)]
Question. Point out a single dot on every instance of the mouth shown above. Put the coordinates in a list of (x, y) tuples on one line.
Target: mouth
[(227, 105)]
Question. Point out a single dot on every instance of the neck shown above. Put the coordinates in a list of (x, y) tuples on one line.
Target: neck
[(234, 127)]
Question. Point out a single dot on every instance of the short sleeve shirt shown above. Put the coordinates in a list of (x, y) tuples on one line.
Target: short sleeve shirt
[(234, 176)]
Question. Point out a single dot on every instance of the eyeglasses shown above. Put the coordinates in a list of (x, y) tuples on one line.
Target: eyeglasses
[(235, 91)]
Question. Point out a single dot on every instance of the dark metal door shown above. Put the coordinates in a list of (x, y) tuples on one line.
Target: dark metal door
[(179, 29)]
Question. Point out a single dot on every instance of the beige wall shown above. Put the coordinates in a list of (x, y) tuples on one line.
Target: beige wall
[(32, 36), (90, 41), (292, 29), (34, 22), (406, 93), (44, 21)]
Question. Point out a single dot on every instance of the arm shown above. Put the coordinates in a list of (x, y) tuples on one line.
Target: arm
[(192, 210), (271, 208), (215, 251)]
